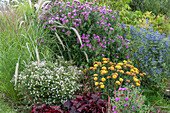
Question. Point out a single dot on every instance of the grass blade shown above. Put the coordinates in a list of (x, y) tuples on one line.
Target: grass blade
[(60, 40)]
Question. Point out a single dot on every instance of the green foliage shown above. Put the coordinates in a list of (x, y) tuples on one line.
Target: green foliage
[(47, 82), (113, 4), (159, 23), (130, 100), (4, 108), (18, 31), (81, 34), (155, 6)]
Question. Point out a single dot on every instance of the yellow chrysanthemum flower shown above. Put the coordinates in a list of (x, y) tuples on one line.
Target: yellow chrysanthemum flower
[(91, 67), (132, 70), (95, 75), (102, 86), (100, 83), (96, 83), (109, 77), (111, 63), (132, 66), (104, 68), (124, 61), (135, 79), (121, 79), (114, 76), (118, 67), (95, 62), (94, 68), (103, 72), (128, 72), (111, 68), (99, 63), (104, 62), (103, 79), (144, 73), (96, 65), (137, 84), (117, 82), (121, 71), (121, 64), (141, 74), (129, 61), (104, 58), (95, 78)]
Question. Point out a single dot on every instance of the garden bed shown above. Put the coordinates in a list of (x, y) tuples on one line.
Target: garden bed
[(78, 56)]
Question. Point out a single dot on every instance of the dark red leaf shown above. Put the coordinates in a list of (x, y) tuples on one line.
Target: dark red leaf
[(68, 104), (80, 97)]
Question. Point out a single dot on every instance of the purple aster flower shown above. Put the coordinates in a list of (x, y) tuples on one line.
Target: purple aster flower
[(120, 89), (101, 20), (93, 48), (113, 108), (108, 24), (127, 47), (82, 46), (127, 56), (115, 111), (111, 28), (36, 41), (124, 89), (106, 18), (133, 107), (110, 32), (39, 44), (97, 22), (105, 29), (126, 105), (87, 41), (127, 40), (68, 32), (102, 54), (117, 57), (117, 99), (42, 40), (126, 99), (63, 30), (113, 16), (99, 40)]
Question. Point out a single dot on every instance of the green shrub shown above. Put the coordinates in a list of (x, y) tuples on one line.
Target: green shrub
[(129, 99), (49, 83), (113, 4), (155, 6), (159, 23)]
